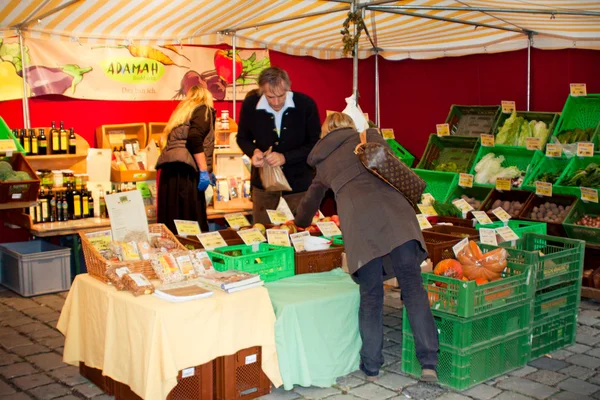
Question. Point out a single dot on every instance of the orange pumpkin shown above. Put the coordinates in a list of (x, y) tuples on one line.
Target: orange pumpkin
[(488, 266), (481, 281), (450, 268)]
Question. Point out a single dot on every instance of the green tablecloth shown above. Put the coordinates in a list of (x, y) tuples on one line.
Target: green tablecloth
[(316, 332)]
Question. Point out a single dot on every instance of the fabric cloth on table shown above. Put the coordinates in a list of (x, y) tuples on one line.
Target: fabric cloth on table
[(145, 341), (317, 327)]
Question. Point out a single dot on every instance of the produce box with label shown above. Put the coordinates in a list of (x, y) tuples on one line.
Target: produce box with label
[(578, 120), (580, 172), (492, 163), (514, 129), (400, 152), (449, 154), (472, 120), (545, 169), (439, 184), (583, 222)]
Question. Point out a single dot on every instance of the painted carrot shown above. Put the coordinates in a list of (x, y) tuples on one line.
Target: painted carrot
[(175, 50), (146, 51)]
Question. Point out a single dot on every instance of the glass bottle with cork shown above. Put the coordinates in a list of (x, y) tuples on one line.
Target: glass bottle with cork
[(85, 205), (72, 142), (55, 138), (64, 139), (33, 143), (42, 143), (24, 140)]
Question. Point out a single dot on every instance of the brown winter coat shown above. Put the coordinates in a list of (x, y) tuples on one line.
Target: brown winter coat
[(374, 217)]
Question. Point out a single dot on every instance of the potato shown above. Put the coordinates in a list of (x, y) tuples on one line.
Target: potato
[(506, 205), (497, 204)]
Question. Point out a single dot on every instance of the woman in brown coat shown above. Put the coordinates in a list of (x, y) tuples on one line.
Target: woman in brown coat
[(376, 221)]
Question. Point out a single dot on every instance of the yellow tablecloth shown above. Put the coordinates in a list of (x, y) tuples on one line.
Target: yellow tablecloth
[(144, 341)]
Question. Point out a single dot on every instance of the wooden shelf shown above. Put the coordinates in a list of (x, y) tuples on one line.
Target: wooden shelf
[(56, 157), (16, 204)]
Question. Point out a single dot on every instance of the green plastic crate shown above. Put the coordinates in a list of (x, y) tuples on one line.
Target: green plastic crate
[(574, 165), (579, 112), (462, 369), (439, 184), (549, 118), (467, 298), (338, 240), (472, 120), (555, 300), (513, 156), (587, 233), (463, 333), (519, 227), (479, 193), (553, 333), (545, 165), (270, 262), (5, 133), (452, 149), (401, 152), (555, 259)]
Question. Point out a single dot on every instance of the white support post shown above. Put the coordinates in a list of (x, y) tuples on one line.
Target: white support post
[(529, 39), (26, 118), (234, 116)]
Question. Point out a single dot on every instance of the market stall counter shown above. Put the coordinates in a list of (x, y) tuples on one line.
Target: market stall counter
[(145, 341)]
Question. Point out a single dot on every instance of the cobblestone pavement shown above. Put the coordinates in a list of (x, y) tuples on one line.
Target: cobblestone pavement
[(31, 363)]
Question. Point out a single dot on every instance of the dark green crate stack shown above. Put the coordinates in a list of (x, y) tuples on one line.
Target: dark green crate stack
[(574, 165), (443, 152), (401, 152), (472, 120), (590, 234), (439, 184), (581, 112)]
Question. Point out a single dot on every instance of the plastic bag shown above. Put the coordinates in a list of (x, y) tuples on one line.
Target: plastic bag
[(273, 179), (353, 110)]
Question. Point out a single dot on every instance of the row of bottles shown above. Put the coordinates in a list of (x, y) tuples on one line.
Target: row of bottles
[(61, 141), (63, 206)]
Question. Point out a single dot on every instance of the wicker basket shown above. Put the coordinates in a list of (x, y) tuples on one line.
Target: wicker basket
[(97, 265)]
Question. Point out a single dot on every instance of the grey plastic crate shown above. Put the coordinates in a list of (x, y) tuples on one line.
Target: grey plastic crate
[(35, 267)]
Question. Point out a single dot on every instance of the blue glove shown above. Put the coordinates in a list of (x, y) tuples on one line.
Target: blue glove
[(213, 179), (204, 181)]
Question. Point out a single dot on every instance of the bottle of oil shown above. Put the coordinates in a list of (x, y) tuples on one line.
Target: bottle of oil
[(64, 139), (38, 211), (77, 206), (85, 203), (42, 143), (52, 206), (90, 204), (55, 138), (24, 139), (102, 202), (33, 143), (72, 142), (45, 206), (65, 208)]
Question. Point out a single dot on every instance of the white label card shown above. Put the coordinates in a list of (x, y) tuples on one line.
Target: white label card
[(423, 222), (501, 214), (186, 373), (507, 233), (460, 245), (211, 240), (284, 208), (482, 217), (329, 229), (278, 237), (488, 236), (187, 228), (277, 217), (298, 240), (251, 236)]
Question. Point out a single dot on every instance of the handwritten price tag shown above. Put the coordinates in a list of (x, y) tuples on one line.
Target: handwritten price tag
[(298, 240), (482, 217), (462, 205), (585, 149), (187, 228), (460, 245), (589, 194), (543, 188), (277, 217), (427, 210), (553, 150), (211, 240), (503, 184), (329, 229), (251, 236), (533, 143), (388, 134), (488, 140), (507, 233), (7, 145), (488, 236), (578, 89), (442, 129), (465, 180), (427, 198), (278, 237), (285, 209), (501, 214), (237, 220), (508, 107), (423, 222)]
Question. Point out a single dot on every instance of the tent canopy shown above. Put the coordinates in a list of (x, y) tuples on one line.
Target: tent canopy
[(399, 29)]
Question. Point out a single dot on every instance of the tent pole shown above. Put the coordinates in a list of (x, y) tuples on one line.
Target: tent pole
[(234, 116), (377, 110), (354, 59), (26, 120), (529, 38), (556, 11)]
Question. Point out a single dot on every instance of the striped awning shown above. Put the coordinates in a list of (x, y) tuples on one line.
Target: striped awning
[(399, 29)]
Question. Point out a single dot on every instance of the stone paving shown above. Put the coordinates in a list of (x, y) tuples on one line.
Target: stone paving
[(31, 363)]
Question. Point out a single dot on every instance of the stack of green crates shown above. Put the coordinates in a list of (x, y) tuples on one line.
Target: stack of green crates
[(439, 184), (401, 152), (518, 227), (449, 154), (484, 330)]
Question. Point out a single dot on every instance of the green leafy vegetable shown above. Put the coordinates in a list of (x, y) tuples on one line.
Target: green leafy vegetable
[(587, 177)]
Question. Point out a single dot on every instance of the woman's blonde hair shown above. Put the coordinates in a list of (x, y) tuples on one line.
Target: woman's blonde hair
[(195, 96), (335, 121)]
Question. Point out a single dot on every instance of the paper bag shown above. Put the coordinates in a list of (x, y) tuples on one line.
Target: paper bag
[(353, 110), (273, 179)]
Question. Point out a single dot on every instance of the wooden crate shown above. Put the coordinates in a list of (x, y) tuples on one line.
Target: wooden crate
[(240, 376), (20, 191), (308, 262), (156, 132), (111, 136), (118, 176)]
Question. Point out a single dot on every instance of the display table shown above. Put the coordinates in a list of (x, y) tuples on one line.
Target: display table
[(317, 327), (144, 342)]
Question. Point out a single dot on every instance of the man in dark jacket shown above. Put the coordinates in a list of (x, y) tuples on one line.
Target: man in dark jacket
[(289, 123)]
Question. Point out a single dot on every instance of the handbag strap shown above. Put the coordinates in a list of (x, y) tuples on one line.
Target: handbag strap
[(363, 140)]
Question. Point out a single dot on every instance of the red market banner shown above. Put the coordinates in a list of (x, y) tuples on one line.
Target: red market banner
[(124, 72)]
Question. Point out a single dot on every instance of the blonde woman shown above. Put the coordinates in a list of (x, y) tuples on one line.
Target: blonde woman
[(184, 163), (376, 221)]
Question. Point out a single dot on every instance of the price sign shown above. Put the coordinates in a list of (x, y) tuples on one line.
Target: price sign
[(251, 236), (211, 240), (460, 245), (482, 217), (508, 107), (488, 236), (427, 198), (298, 240), (237, 220), (487, 140), (388, 134), (284, 208), (462, 205), (442, 129), (503, 184), (278, 237), (578, 89), (427, 210), (585, 149), (543, 189), (187, 228), (589, 194), (329, 229), (277, 217), (501, 214), (507, 234), (533, 143), (553, 150), (465, 180), (7, 145), (423, 222)]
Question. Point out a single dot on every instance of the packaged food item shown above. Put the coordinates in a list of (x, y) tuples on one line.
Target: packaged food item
[(202, 263), (115, 276), (222, 190), (58, 179), (247, 187), (138, 284), (165, 266), (184, 262), (130, 251), (163, 244), (144, 249)]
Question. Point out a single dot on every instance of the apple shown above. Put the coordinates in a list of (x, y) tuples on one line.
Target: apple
[(291, 226), (261, 228)]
